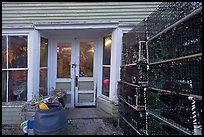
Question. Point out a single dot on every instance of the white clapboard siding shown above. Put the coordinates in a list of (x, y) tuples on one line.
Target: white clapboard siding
[(25, 14)]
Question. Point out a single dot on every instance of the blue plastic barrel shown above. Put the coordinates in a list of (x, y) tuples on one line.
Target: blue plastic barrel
[(50, 122)]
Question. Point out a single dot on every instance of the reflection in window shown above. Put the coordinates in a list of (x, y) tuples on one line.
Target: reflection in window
[(86, 59), (4, 88), (14, 82), (63, 60), (43, 82), (17, 85), (43, 66), (106, 81), (17, 51), (43, 52), (106, 65), (107, 50), (3, 52)]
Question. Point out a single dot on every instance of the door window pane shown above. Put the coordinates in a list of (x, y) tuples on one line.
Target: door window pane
[(17, 51), (107, 50), (86, 59), (4, 87), (88, 97), (17, 85), (3, 52), (65, 86), (106, 81), (43, 82), (63, 60), (43, 52)]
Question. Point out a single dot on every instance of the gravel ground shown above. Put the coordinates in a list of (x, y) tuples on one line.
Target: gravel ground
[(93, 127), (77, 127), (11, 129)]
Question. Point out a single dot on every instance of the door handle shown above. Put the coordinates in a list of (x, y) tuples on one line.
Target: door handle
[(76, 81), (73, 65)]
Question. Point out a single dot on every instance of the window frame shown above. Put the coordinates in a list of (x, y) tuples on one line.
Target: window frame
[(44, 67), (105, 66), (7, 69)]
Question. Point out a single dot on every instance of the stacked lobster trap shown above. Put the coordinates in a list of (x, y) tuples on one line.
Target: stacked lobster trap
[(165, 56), (133, 80)]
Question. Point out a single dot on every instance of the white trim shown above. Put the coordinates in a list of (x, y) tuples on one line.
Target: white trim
[(86, 78), (77, 59), (7, 74), (52, 64), (116, 50), (69, 92), (87, 104), (100, 68), (125, 29), (34, 64), (7, 80), (86, 91), (63, 80), (12, 106), (43, 67), (76, 26), (8, 33), (106, 66), (73, 72), (9, 69), (16, 31), (53, 72), (7, 51)]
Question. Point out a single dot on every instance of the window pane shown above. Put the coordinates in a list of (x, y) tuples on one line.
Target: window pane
[(43, 52), (63, 60), (18, 85), (4, 77), (3, 52), (106, 50), (43, 82), (86, 59), (17, 54), (106, 81)]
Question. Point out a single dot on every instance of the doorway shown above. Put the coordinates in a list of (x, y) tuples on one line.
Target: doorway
[(76, 61)]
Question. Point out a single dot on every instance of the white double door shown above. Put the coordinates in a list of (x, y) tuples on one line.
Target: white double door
[(76, 71)]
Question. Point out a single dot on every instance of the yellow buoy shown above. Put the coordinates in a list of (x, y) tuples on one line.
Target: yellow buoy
[(43, 106)]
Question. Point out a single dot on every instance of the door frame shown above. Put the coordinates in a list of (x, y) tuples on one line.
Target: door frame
[(75, 48), (94, 79)]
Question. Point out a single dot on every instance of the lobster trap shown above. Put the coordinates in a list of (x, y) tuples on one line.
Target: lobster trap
[(174, 109), (182, 40), (167, 13), (181, 76)]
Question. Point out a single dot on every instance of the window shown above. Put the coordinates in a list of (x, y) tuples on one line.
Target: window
[(86, 59), (63, 60), (43, 66), (14, 68), (106, 65)]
